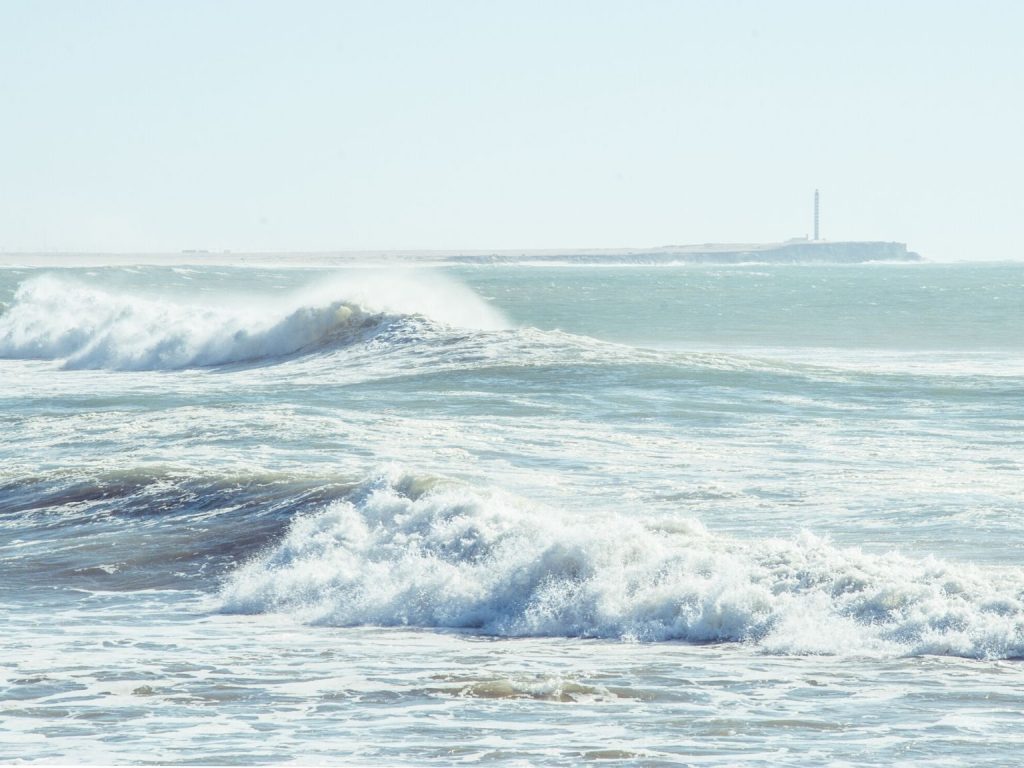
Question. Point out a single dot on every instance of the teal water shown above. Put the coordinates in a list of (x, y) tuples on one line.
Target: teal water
[(510, 514), (905, 307)]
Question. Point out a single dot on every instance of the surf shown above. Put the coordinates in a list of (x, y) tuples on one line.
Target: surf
[(82, 326), (408, 550)]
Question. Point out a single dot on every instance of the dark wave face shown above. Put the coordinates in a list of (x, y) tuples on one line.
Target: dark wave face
[(147, 528)]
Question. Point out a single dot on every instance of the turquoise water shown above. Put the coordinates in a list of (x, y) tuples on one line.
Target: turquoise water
[(511, 514), (909, 307)]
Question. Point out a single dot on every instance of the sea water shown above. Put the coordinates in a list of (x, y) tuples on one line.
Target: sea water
[(520, 515)]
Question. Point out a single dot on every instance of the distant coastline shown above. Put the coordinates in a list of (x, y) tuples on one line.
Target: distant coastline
[(788, 252)]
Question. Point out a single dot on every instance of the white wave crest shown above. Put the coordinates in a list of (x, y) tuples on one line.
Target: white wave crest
[(57, 318), (409, 551)]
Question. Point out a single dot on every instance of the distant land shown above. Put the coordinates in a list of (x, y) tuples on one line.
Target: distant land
[(790, 252), (797, 251)]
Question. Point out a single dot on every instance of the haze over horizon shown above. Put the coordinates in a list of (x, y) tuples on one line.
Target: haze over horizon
[(317, 126)]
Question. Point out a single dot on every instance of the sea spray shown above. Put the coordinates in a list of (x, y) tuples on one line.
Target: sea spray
[(83, 326), (410, 551), (876, 407)]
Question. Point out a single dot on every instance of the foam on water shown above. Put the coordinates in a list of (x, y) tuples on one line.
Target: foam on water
[(164, 532), (58, 318), (407, 550)]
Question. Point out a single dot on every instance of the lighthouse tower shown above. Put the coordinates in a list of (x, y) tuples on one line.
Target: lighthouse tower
[(817, 235)]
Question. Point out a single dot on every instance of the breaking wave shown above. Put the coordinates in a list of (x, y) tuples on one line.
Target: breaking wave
[(403, 550), (54, 318)]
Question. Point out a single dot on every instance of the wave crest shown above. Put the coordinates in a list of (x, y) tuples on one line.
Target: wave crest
[(54, 318), (403, 550)]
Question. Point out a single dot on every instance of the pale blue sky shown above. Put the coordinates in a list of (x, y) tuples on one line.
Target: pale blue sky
[(159, 126)]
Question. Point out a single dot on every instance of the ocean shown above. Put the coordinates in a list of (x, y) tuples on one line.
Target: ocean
[(512, 514)]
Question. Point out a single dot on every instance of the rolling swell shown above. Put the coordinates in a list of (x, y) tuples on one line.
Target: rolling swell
[(412, 551), (444, 325)]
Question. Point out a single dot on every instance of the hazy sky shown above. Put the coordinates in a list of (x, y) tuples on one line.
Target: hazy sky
[(159, 126)]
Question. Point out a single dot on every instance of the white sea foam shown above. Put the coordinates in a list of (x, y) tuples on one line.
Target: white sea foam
[(87, 327), (413, 551)]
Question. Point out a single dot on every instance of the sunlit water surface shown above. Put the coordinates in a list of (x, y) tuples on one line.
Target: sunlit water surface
[(751, 515)]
